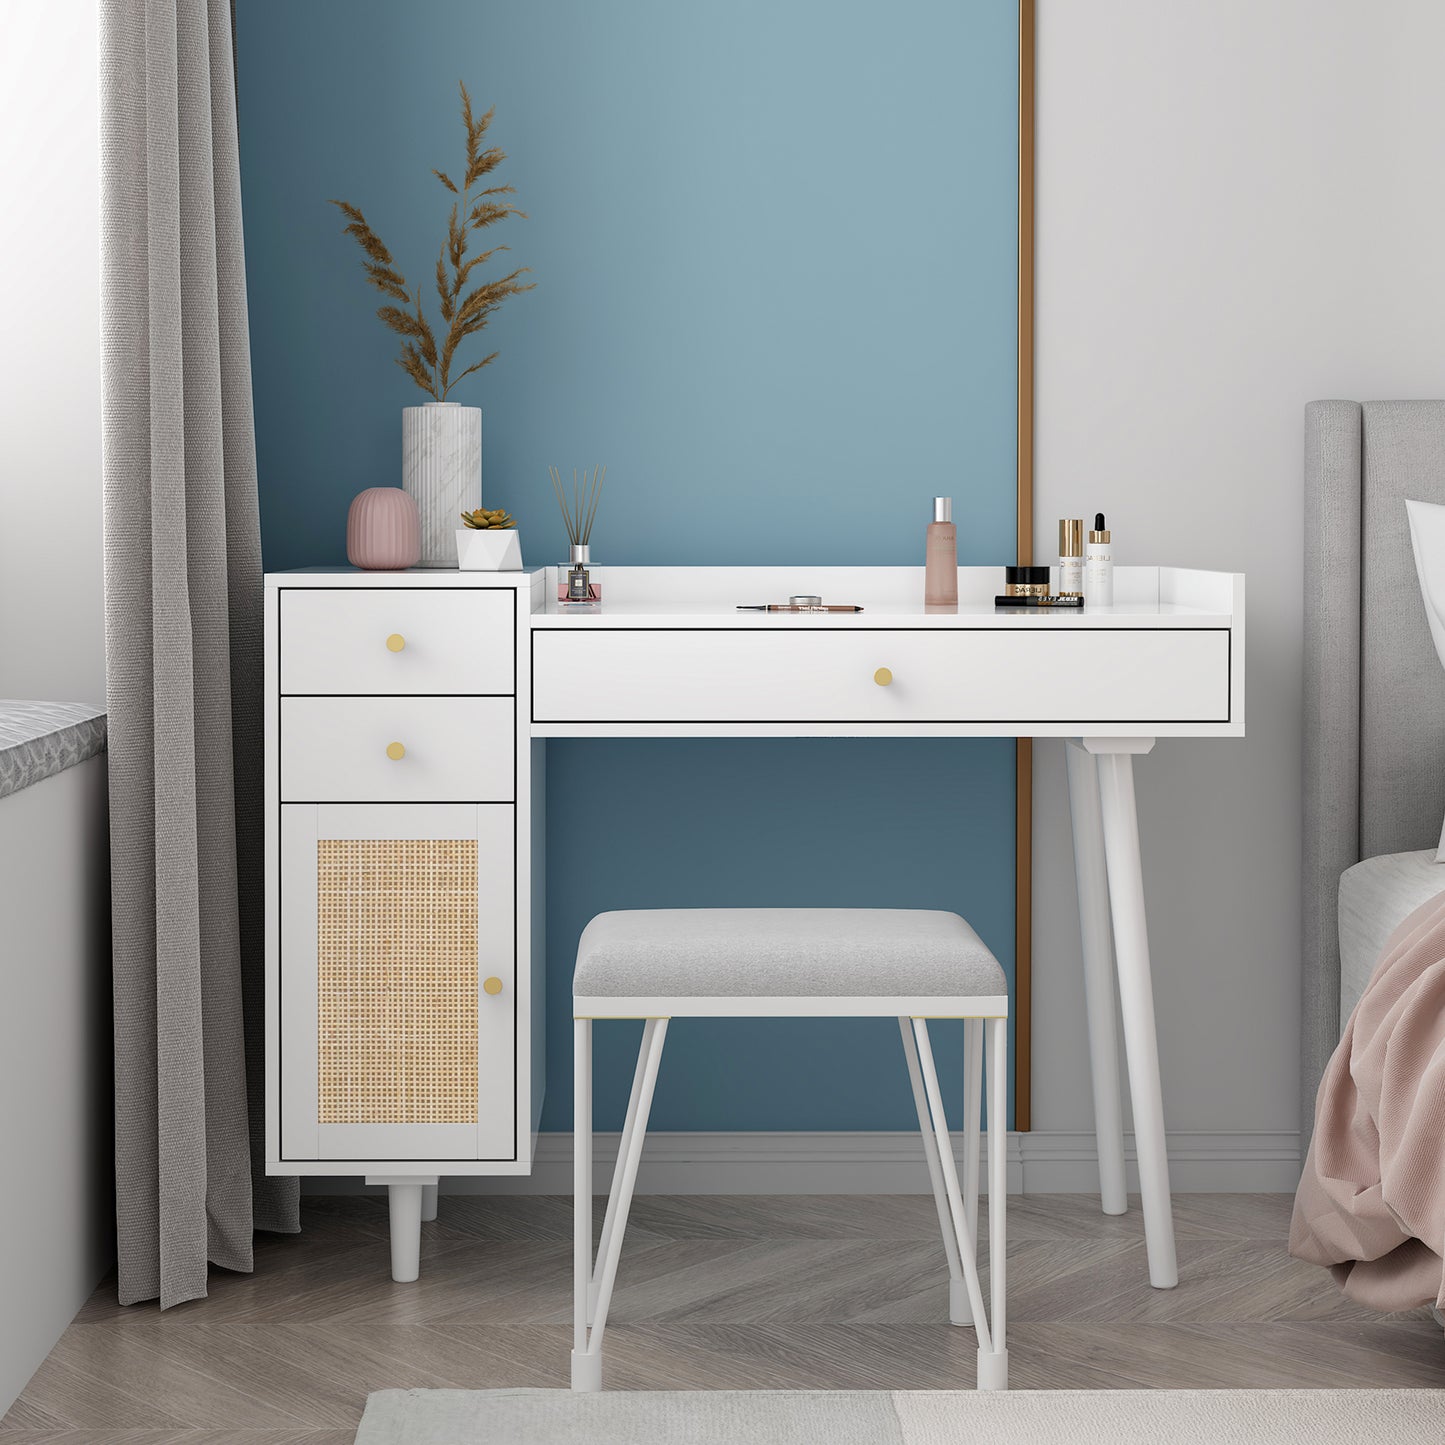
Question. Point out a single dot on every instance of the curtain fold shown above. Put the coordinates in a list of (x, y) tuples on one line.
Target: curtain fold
[(183, 648)]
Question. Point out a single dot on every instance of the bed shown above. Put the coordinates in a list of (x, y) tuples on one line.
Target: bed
[(1374, 694)]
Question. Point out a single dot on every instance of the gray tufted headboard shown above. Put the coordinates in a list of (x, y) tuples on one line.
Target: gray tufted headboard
[(1374, 690)]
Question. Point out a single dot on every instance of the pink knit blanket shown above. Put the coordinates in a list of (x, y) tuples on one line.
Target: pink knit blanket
[(1371, 1204)]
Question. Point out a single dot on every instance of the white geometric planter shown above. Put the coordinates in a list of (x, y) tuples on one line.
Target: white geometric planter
[(495, 550), (441, 467)]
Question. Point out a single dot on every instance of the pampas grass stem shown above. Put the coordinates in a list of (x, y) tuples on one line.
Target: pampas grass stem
[(427, 364)]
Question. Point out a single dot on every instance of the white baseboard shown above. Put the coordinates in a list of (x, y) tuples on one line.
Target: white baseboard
[(1041, 1162)]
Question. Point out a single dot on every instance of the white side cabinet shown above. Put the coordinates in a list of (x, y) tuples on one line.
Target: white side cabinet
[(404, 940)]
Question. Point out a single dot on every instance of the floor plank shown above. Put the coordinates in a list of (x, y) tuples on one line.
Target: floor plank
[(789, 1292)]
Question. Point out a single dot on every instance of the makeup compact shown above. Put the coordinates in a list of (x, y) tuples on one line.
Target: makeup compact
[(1026, 581), (1029, 587)]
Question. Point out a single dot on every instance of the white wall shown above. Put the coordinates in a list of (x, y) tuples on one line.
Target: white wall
[(52, 640), (56, 1224), (1239, 210)]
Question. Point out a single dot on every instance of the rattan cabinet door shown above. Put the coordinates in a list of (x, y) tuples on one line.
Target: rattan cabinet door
[(398, 979)]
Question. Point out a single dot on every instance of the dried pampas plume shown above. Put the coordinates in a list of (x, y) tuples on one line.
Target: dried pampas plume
[(465, 311)]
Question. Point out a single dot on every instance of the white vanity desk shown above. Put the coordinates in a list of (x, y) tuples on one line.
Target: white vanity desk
[(406, 713)]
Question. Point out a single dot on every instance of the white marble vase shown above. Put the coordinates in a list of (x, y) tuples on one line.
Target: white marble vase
[(441, 467)]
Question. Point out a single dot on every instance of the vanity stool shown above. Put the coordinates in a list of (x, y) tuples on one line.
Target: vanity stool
[(907, 964)]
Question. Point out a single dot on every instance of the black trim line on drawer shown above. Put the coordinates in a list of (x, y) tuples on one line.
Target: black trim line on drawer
[(373, 1166), (396, 694), (397, 803)]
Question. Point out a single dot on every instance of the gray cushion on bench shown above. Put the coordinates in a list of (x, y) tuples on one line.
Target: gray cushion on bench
[(783, 952), (40, 739)]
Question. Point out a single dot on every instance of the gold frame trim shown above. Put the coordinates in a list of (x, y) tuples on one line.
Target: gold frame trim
[(1024, 748)]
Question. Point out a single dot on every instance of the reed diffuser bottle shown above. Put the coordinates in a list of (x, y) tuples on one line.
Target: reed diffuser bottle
[(940, 557), (576, 585)]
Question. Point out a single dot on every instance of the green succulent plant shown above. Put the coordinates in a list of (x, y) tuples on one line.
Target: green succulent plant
[(484, 521)]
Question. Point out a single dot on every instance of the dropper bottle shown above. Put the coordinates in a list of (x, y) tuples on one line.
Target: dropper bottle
[(1099, 566)]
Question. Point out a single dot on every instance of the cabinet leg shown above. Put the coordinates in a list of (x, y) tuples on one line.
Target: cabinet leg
[(428, 1203), (1093, 888), (405, 1231), (404, 1192), (1136, 997)]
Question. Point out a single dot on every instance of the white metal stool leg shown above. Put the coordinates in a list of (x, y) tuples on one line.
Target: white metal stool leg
[(587, 1344), (624, 1144), (972, 1104), (993, 1363), (950, 1182), (959, 1312)]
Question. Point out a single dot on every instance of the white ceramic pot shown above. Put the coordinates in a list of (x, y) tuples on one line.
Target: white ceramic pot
[(495, 550), (441, 468)]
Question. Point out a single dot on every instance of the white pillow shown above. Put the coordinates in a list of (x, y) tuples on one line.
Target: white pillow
[(1427, 537)]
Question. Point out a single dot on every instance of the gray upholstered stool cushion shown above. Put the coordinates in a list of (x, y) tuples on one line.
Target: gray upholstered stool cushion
[(783, 952)]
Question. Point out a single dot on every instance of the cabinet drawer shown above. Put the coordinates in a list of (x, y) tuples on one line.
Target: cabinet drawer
[(453, 749), (397, 640), (955, 675)]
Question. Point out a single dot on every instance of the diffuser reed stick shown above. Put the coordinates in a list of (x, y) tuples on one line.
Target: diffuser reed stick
[(579, 514)]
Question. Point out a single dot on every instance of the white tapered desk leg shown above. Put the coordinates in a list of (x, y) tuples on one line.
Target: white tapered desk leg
[(1136, 998), (1092, 880), (428, 1203)]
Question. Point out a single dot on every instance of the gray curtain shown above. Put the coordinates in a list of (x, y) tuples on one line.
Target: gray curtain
[(183, 647)]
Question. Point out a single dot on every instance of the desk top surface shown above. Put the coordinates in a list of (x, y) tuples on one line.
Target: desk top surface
[(708, 597), (874, 615)]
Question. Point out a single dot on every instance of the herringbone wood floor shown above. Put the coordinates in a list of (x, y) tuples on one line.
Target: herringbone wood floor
[(815, 1293)]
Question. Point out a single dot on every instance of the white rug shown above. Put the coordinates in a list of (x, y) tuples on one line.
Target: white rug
[(925, 1417)]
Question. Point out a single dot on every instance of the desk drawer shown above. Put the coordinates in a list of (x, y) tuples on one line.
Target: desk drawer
[(956, 675), (397, 640), (453, 749)]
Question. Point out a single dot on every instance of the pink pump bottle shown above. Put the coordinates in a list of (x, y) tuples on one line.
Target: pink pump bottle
[(940, 558)]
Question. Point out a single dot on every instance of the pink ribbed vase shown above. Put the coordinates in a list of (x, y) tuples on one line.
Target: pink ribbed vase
[(383, 530)]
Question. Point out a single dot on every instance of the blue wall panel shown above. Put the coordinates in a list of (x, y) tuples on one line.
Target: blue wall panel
[(775, 253)]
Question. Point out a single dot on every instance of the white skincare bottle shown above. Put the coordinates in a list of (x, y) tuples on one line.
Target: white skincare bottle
[(1071, 557), (1099, 566)]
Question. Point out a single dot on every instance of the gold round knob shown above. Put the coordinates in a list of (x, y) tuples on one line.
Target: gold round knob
[(395, 752), (395, 642), (883, 677), (492, 986)]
